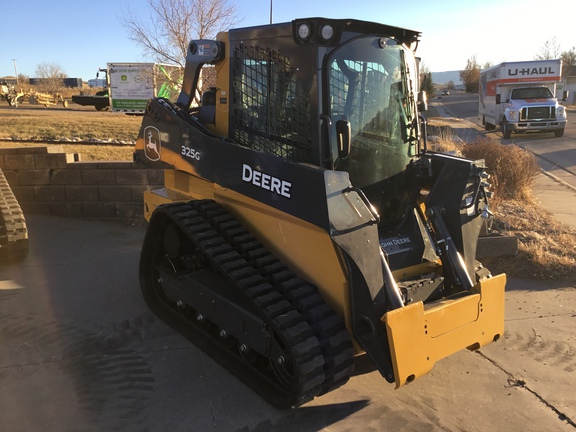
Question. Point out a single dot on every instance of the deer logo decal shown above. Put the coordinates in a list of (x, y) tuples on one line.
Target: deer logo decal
[(152, 143)]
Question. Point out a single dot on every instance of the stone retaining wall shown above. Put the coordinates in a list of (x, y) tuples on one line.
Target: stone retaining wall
[(45, 180)]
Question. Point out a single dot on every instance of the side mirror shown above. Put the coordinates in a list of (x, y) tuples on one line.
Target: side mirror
[(422, 101), (498, 102), (343, 138)]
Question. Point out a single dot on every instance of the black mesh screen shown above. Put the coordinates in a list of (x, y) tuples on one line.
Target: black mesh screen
[(538, 113), (270, 107)]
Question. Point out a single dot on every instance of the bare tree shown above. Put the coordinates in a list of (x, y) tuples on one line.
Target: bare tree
[(470, 76), (550, 50), (568, 57), (50, 70), (50, 77), (171, 25), (23, 79)]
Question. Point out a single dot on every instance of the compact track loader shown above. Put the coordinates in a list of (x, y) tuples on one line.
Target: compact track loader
[(303, 221)]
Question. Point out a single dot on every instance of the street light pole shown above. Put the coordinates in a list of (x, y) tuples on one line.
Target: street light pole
[(15, 70)]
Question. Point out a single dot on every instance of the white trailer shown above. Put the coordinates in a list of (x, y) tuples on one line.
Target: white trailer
[(132, 85), (520, 96)]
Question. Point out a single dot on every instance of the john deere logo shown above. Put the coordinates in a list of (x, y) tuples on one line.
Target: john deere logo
[(152, 144)]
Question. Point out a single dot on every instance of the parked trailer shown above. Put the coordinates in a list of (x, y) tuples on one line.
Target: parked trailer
[(132, 85), (100, 100)]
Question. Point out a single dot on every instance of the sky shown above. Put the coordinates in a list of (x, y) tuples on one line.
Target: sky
[(81, 36)]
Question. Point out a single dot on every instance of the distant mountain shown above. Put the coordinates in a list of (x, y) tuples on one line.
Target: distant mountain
[(445, 77)]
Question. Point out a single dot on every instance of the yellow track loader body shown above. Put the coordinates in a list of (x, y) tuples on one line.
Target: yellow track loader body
[(303, 221)]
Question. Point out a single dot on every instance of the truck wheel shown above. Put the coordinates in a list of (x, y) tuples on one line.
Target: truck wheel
[(487, 126), (559, 132), (506, 132)]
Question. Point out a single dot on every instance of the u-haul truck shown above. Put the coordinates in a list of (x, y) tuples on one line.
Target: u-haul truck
[(520, 96)]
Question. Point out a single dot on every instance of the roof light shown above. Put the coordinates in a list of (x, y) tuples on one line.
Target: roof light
[(317, 31), (304, 31), (327, 32)]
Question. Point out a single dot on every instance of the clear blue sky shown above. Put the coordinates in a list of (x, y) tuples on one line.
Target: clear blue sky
[(81, 35)]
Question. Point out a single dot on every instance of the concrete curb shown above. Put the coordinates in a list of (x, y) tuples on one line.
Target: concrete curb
[(555, 178)]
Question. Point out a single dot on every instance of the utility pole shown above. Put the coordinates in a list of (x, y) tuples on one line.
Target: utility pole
[(15, 70), (270, 11)]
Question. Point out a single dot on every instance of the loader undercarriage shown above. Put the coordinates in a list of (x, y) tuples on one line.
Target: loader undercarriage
[(209, 278)]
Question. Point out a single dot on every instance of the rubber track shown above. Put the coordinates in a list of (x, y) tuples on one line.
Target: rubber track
[(328, 327), (295, 334), (13, 230)]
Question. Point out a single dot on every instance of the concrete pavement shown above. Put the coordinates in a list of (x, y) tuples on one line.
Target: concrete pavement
[(80, 352), (556, 195)]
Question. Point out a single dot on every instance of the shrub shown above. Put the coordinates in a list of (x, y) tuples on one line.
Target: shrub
[(512, 168)]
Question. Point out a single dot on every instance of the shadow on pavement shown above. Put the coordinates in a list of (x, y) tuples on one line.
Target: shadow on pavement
[(309, 419)]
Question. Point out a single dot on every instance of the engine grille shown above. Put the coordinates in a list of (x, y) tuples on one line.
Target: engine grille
[(270, 106), (537, 113)]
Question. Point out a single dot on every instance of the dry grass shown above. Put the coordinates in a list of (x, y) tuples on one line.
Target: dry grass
[(513, 169), (446, 142), (39, 123), (30, 122), (545, 246)]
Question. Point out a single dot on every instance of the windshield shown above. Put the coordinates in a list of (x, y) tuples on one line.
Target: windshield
[(369, 88), (532, 93)]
